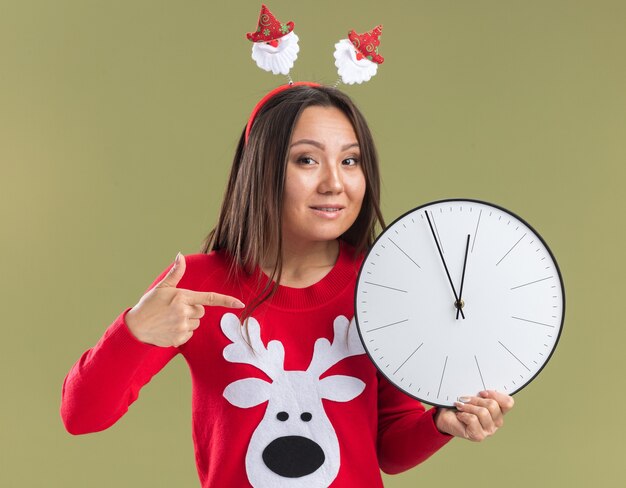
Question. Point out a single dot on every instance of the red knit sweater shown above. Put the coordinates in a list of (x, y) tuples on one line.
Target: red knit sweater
[(308, 409)]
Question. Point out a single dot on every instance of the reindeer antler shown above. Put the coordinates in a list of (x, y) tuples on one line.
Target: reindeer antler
[(346, 343), (270, 360)]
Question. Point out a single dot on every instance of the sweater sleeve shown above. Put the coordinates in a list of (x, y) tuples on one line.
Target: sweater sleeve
[(407, 434), (107, 378)]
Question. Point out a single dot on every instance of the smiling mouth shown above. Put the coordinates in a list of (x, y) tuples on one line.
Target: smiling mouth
[(327, 209)]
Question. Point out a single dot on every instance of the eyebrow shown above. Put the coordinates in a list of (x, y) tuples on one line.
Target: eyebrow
[(321, 146)]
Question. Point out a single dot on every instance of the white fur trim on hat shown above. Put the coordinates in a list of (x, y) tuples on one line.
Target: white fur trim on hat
[(349, 67), (277, 59)]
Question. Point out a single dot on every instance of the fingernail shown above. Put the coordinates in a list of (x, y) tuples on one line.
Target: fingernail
[(464, 399), (177, 258), (459, 404), (237, 304), (484, 393)]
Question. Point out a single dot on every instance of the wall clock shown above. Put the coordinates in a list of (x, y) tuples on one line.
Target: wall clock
[(458, 296)]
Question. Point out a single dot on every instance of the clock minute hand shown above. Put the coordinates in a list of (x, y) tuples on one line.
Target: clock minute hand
[(460, 303), (457, 303)]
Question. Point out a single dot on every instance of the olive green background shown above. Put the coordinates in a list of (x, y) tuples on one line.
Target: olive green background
[(118, 122)]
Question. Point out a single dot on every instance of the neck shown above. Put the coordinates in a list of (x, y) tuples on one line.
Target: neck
[(302, 264)]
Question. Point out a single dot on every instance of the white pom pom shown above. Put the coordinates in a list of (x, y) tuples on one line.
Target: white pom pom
[(277, 59), (351, 69)]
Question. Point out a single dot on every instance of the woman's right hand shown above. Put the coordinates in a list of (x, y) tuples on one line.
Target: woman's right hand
[(166, 315)]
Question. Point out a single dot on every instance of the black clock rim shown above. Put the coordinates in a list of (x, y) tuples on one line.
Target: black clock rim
[(446, 200)]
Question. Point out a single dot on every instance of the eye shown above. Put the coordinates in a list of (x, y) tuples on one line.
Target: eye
[(352, 161), (306, 161), (282, 416), (306, 417)]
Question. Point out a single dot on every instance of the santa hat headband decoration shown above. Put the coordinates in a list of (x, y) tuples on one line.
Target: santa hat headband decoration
[(275, 48), (275, 45), (357, 57)]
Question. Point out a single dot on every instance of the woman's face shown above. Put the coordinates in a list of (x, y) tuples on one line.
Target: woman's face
[(325, 184)]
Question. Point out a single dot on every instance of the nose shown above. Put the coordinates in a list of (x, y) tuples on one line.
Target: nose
[(331, 180), (293, 456)]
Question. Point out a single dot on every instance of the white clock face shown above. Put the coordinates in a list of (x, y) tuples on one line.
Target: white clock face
[(407, 303)]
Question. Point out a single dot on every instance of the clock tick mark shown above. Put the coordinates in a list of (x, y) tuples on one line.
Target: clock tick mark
[(384, 286), (388, 325), (509, 351), (532, 321), (532, 282), (442, 373), (404, 362), (480, 373), (403, 252), (507, 253), (437, 232), (476, 230)]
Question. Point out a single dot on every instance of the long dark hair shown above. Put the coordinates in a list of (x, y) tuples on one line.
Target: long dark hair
[(249, 224)]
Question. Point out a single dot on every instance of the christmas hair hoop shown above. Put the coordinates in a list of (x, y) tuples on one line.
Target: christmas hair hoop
[(275, 48)]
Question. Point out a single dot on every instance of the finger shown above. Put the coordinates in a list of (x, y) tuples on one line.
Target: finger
[(212, 299), (175, 273), (193, 324), (505, 401), (473, 429), (196, 311), (492, 406), (481, 413)]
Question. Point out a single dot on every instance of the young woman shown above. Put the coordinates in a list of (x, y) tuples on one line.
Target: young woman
[(283, 392)]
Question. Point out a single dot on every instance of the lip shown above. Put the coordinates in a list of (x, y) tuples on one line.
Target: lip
[(333, 214)]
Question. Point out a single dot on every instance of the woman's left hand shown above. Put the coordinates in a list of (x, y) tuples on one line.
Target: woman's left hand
[(477, 418)]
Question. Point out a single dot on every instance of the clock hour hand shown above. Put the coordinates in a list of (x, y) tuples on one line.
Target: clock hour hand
[(456, 303), (460, 304)]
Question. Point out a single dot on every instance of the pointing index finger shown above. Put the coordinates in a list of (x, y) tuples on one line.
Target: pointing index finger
[(212, 299)]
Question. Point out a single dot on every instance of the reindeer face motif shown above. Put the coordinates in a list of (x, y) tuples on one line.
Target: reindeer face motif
[(295, 445)]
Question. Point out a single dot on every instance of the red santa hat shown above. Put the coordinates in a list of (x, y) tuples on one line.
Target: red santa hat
[(367, 44), (269, 28)]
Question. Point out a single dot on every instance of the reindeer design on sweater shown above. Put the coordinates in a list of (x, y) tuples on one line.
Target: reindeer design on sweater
[(295, 445)]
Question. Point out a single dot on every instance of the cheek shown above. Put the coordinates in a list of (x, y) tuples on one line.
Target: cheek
[(358, 188)]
